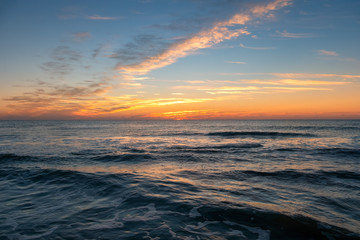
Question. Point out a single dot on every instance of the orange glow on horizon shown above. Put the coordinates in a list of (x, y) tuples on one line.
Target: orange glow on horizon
[(224, 67)]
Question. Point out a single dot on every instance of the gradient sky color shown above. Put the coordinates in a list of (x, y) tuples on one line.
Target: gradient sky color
[(180, 59)]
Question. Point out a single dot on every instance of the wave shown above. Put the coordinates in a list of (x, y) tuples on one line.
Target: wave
[(68, 180), (133, 155), (126, 207), (8, 136), (289, 149), (5, 157), (242, 133), (218, 148), (183, 134), (315, 128), (351, 152), (90, 152), (266, 224), (124, 157), (342, 174), (294, 175), (346, 180), (339, 151), (343, 179), (259, 134)]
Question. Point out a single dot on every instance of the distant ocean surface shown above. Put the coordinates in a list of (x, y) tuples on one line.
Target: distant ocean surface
[(180, 180)]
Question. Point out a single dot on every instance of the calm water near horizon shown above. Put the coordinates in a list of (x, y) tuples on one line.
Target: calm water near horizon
[(180, 179)]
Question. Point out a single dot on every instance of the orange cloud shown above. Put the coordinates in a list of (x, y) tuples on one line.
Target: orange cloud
[(299, 88), (204, 39), (108, 106), (296, 75), (229, 90), (183, 115), (296, 82), (314, 75)]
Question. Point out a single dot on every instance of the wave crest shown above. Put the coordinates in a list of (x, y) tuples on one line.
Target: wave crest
[(259, 134)]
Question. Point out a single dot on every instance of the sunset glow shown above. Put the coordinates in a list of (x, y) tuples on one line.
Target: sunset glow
[(267, 59)]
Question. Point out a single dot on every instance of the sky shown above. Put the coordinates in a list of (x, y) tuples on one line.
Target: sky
[(180, 59)]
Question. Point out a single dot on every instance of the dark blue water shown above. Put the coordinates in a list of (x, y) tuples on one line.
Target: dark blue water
[(180, 180)]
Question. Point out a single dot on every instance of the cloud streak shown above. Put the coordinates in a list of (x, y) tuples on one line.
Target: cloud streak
[(297, 75), (63, 98), (98, 17), (286, 34), (235, 62), (327, 53), (77, 12), (255, 48), (221, 31), (81, 36), (315, 75), (272, 82), (61, 62), (296, 82), (332, 55)]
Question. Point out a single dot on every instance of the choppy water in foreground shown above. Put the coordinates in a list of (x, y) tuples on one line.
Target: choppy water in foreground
[(180, 180)]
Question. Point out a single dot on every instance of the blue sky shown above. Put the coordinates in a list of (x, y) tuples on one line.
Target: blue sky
[(58, 58)]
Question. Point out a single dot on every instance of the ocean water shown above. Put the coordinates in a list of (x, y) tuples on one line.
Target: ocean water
[(180, 180)]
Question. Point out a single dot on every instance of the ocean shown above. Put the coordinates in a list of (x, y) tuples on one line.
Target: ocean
[(180, 179)]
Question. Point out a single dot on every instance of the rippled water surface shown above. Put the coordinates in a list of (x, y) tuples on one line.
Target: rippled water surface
[(180, 180)]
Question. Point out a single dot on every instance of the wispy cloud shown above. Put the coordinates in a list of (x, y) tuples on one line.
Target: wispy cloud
[(139, 49), (332, 55), (315, 76), (71, 12), (222, 30), (256, 48), (196, 81), (130, 85), (183, 25), (204, 39), (260, 89), (172, 101), (235, 62), (297, 75), (185, 114), (266, 85), (327, 53), (295, 82), (298, 88), (98, 17), (286, 34), (231, 88), (78, 12), (269, 82), (81, 36), (58, 100), (61, 61), (98, 50), (64, 91)]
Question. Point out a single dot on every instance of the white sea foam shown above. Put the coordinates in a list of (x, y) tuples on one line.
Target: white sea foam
[(194, 212), (151, 214), (263, 234)]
